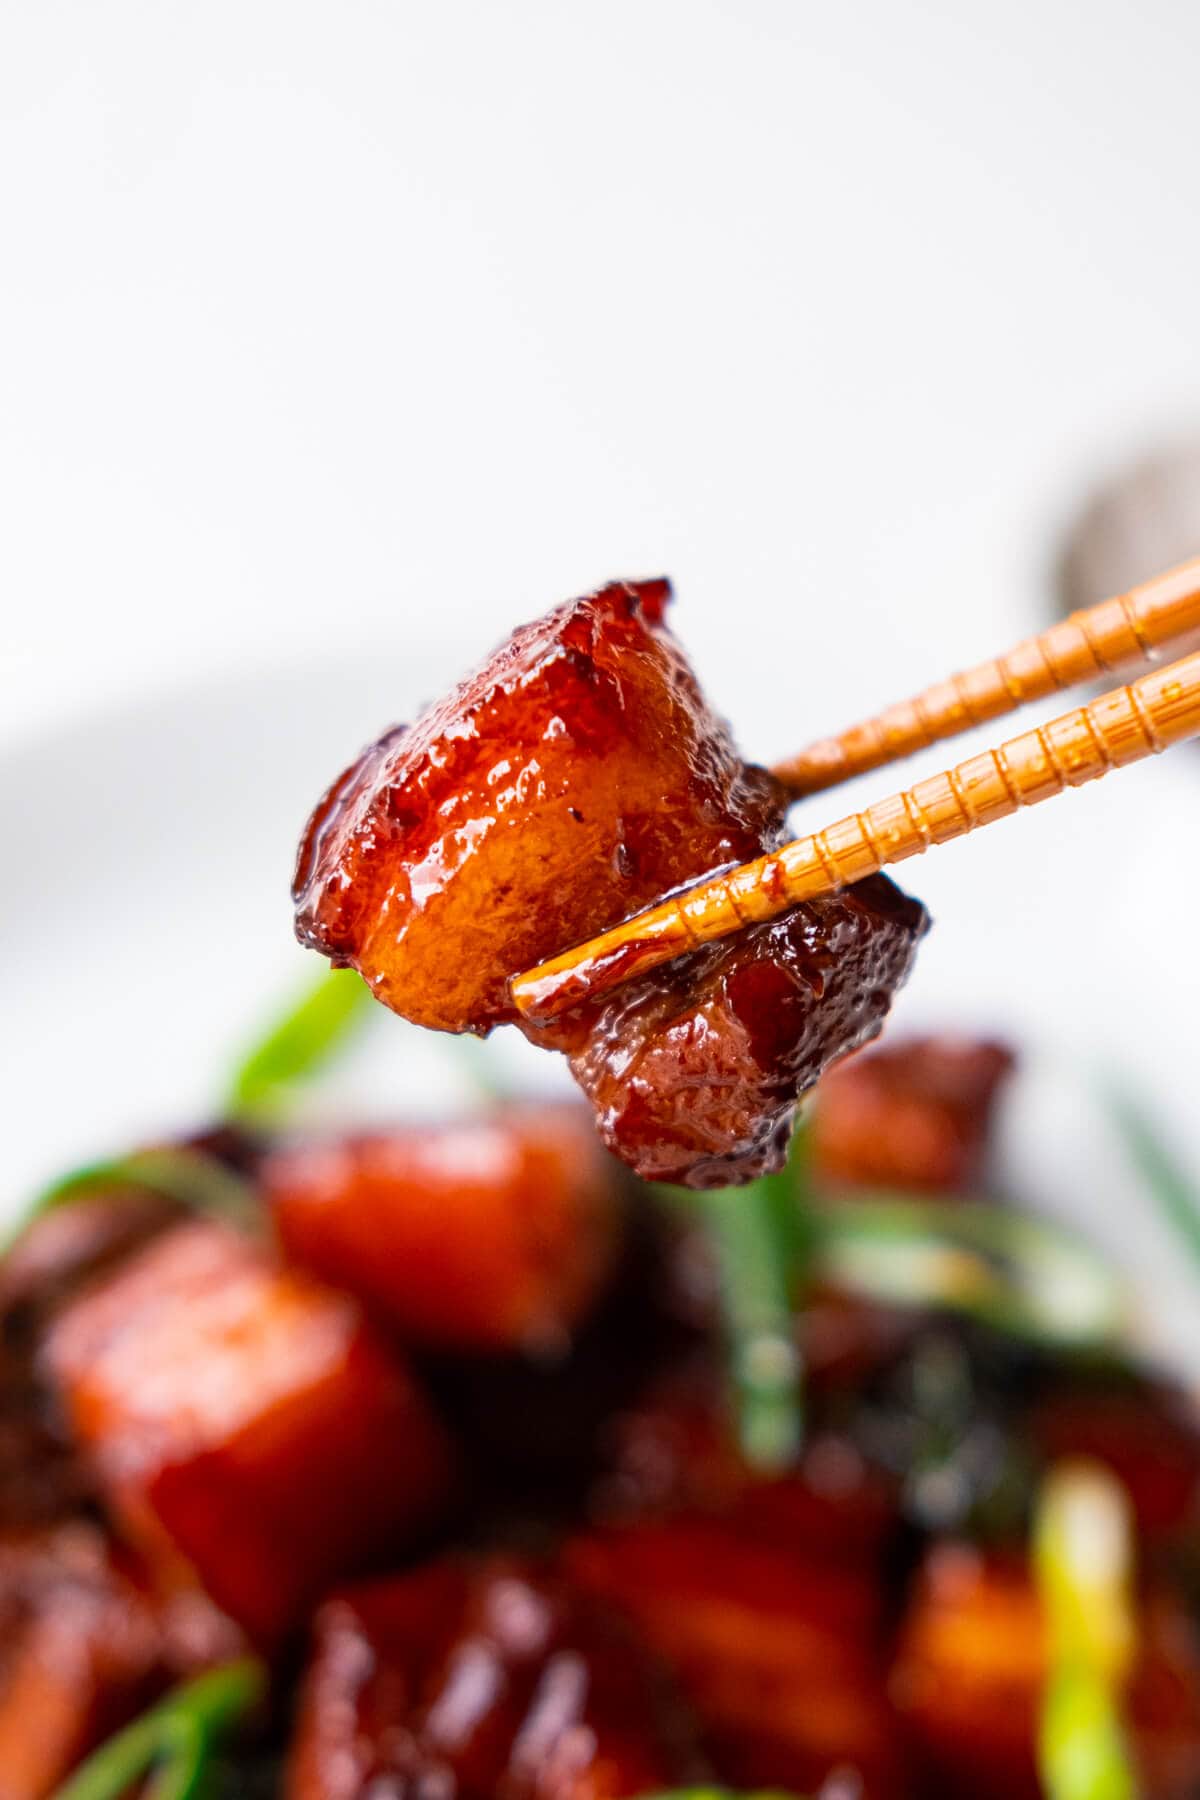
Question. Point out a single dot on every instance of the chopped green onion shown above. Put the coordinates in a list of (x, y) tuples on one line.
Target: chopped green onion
[(757, 1233), (175, 1740), (1015, 1273), (1081, 1749), (1167, 1182), (1083, 1556), (297, 1045)]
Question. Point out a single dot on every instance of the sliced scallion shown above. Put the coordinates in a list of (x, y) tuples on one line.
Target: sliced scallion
[(1083, 1561), (173, 1742), (298, 1045)]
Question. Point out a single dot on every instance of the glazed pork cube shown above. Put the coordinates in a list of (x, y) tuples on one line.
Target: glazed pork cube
[(917, 1114), (477, 1679), (489, 1234), (776, 1649), (245, 1424), (568, 782), (42, 1477), (695, 1072)]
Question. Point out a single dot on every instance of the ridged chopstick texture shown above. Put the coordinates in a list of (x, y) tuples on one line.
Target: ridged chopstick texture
[(1120, 727), (1118, 634)]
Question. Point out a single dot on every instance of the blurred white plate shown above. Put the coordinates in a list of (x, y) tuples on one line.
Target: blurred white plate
[(147, 935)]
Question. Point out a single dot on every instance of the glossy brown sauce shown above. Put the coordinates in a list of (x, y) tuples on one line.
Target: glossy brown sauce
[(574, 779), (695, 1071), (566, 784)]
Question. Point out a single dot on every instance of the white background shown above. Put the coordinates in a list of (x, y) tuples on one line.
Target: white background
[(335, 339)]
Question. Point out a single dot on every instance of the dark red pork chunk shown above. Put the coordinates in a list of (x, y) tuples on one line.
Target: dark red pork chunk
[(917, 1114), (695, 1071), (777, 1649), (490, 1234), (42, 1477), (245, 1424), (571, 781), (478, 1679)]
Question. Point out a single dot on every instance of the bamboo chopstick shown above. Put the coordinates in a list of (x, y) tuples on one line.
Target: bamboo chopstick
[(1123, 726), (1150, 619)]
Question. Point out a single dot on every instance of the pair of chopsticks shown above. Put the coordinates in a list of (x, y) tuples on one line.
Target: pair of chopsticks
[(1159, 709)]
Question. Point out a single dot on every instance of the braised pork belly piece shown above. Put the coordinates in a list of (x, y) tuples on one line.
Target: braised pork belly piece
[(694, 1072), (476, 1678), (916, 1114), (43, 1478), (245, 1425), (778, 1649), (571, 781), (494, 1234)]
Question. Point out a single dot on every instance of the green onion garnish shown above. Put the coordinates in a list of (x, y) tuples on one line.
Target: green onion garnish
[(1015, 1273), (190, 1177), (1168, 1183), (1083, 1557), (175, 1741), (759, 1238), (299, 1044)]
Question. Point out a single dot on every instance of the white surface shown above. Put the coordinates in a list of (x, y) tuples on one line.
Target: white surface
[(329, 324), (347, 337)]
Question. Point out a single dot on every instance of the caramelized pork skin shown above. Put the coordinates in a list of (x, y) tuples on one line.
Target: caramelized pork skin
[(471, 1679), (245, 1424), (493, 1234), (570, 781), (694, 1072), (917, 1114)]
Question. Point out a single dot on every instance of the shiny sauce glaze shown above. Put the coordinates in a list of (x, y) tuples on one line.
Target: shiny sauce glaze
[(564, 785), (482, 1677), (574, 779), (694, 1072)]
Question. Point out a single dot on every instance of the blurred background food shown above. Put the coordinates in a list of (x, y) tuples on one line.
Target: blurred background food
[(449, 1457)]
